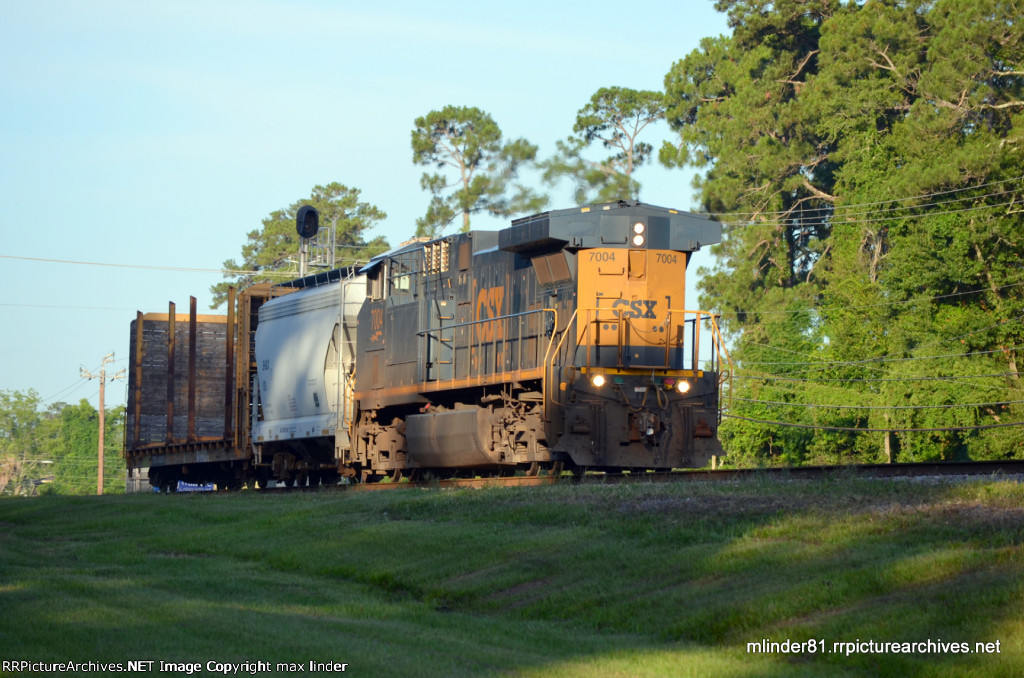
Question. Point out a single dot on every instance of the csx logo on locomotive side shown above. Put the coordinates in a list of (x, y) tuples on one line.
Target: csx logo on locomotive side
[(637, 308), (489, 303)]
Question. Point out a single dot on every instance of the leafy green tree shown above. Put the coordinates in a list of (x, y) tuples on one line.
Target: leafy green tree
[(20, 452), (55, 450), (70, 434), (274, 247), (615, 117), (477, 169), (868, 160)]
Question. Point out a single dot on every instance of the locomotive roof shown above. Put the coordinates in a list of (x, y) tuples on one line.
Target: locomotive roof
[(609, 223), (480, 239), (587, 226)]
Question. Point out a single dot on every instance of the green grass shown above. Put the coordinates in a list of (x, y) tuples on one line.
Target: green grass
[(578, 580)]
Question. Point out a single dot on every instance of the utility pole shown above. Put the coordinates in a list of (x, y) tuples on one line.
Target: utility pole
[(102, 376)]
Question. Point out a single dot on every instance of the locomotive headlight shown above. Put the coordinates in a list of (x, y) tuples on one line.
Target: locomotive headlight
[(683, 386), (597, 380), (638, 234)]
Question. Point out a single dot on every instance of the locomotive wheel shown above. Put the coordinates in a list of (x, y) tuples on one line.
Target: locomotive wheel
[(534, 469)]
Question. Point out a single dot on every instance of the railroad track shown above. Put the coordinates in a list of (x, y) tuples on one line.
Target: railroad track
[(909, 470)]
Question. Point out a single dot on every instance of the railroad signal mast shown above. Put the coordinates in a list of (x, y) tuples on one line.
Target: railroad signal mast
[(102, 376), (307, 223)]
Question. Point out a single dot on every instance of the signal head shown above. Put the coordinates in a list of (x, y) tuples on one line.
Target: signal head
[(307, 221)]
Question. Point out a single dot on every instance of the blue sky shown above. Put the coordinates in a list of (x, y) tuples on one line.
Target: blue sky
[(157, 134)]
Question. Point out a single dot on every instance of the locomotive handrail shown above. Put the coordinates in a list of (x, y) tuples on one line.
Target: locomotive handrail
[(593, 315), (717, 341), (716, 333), (565, 333), (485, 320), (503, 339)]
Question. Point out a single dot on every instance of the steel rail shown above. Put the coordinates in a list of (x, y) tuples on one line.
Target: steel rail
[(1006, 468)]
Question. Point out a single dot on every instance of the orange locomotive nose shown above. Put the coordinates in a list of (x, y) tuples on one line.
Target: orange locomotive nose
[(626, 302)]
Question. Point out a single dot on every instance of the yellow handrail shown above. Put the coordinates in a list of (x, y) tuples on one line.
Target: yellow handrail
[(718, 343)]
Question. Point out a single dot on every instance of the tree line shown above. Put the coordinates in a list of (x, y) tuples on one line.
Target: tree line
[(868, 162), (55, 449)]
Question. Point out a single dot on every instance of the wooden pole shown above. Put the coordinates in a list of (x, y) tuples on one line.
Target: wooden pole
[(103, 382), (102, 376)]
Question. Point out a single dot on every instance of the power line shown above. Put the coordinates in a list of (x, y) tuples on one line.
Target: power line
[(183, 269), (69, 308), (873, 430), (904, 302), (844, 215), (875, 407), (64, 392), (923, 346), (922, 211), (840, 363), (887, 217), (879, 202), (911, 378)]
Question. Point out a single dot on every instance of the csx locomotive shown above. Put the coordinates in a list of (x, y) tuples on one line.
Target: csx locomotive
[(559, 343)]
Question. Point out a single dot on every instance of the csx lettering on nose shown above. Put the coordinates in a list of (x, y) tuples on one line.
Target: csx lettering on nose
[(638, 308)]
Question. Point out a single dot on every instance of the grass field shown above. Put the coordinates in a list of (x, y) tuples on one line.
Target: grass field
[(577, 580)]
